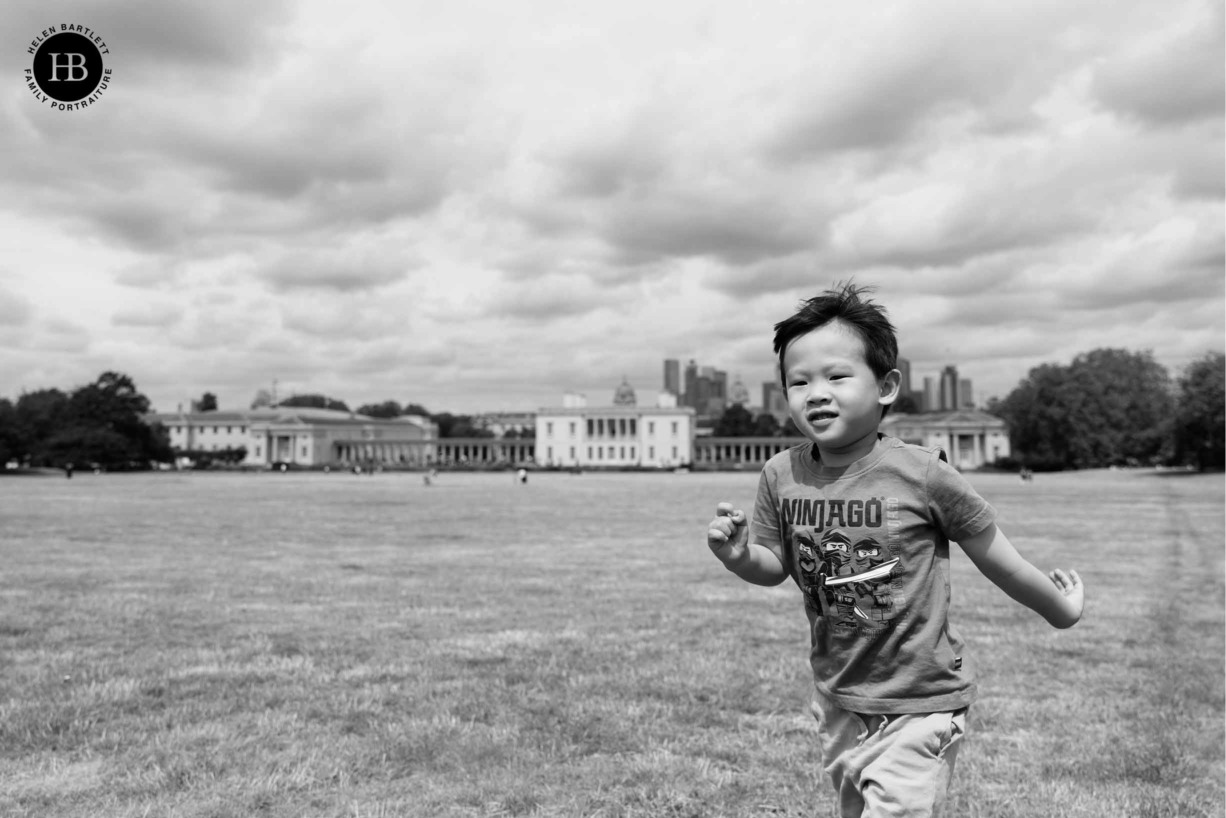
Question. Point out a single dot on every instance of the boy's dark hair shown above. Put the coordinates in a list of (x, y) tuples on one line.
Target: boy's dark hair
[(844, 303)]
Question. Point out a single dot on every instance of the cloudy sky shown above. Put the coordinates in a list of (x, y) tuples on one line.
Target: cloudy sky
[(482, 205)]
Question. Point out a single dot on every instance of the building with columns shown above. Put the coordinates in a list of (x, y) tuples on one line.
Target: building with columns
[(304, 436), (623, 435), (972, 439)]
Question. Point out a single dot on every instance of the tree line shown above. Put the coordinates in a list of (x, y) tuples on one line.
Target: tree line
[(1113, 407), (99, 425), (1108, 407), (449, 425)]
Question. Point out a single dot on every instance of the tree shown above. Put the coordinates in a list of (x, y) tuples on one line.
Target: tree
[(904, 405), (736, 421), (207, 403), (104, 423), (1108, 407), (766, 425), (450, 425), (388, 409), (415, 409), (1200, 415), (262, 398), (39, 415), (11, 445), (315, 402)]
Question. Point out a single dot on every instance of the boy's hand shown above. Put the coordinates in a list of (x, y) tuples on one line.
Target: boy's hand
[(1074, 592), (728, 534)]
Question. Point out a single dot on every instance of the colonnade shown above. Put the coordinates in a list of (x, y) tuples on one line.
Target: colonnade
[(483, 450), (440, 451), (725, 451), (405, 453)]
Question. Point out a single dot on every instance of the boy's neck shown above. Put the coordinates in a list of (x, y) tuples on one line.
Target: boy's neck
[(846, 455)]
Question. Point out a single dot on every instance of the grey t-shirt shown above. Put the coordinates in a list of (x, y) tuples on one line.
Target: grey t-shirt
[(868, 545)]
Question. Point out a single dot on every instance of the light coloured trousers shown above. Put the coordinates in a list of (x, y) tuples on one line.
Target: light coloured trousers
[(895, 766)]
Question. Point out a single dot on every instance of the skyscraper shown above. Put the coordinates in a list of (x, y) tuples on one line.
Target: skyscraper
[(950, 398), (904, 366), (691, 384), (672, 376), (774, 401), (966, 398)]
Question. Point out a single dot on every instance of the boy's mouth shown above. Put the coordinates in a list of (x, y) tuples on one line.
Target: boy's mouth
[(819, 415)]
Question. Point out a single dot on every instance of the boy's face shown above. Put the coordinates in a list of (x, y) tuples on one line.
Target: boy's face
[(834, 398)]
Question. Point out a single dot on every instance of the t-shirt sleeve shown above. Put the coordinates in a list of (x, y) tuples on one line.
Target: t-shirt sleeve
[(955, 506), (764, 526)]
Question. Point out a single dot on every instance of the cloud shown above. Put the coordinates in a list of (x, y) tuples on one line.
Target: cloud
[(15, 309), (1175, 76), (147, 36), (476, 208), (340, 269), (148, 315), (888, 79)]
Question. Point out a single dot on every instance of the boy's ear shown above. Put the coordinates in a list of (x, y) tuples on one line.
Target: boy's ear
[(890, 386)]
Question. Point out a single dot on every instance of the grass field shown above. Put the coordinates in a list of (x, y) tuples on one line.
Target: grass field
[(332, 645)]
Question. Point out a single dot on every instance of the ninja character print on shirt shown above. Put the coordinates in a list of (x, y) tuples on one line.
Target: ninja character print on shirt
[(847, 559)]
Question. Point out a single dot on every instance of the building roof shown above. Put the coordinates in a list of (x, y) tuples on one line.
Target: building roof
[(957, 417), (283, 414), (614, 411)]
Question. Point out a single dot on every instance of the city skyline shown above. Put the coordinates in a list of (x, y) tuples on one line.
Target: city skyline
[(475, 209)]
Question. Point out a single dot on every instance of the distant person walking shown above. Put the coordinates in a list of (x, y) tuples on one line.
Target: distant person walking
[(862, 524), (522, 476)]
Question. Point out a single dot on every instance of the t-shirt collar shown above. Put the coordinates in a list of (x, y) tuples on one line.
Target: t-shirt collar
[(814, 464)]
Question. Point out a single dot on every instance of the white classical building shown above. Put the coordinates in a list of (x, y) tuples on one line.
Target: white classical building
[(624, 435), (303, 436), (972, 439)]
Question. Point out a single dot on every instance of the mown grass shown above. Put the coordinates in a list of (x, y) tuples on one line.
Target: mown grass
[(329, 645)]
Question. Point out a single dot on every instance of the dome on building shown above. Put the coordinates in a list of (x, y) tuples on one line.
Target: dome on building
[(624, 395), (738, 393)]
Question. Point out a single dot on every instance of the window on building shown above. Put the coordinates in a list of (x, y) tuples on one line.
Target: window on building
[(549, 453), (257, 451), (572, 428), (600, 453), (227, 430), (622, 453), (674, 452), (572, 452), (633, 423), (214, 430), (651, 427), (651, 452), (304, 451), (591, 428), (631, 452), (549, 429), (674, 428), (589, 452)]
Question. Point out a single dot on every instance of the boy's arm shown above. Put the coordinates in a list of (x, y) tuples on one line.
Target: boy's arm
[(728, 538), (1057, 597)]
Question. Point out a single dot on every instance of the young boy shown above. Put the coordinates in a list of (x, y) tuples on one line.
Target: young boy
[(862, 523)]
